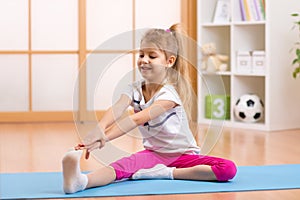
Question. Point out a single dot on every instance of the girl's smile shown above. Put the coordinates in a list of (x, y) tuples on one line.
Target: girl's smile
[(145, 68)]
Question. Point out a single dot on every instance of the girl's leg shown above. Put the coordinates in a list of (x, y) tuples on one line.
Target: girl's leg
[(198, 172), (193, 167), (75, 181), (207, 168), (160, 171)]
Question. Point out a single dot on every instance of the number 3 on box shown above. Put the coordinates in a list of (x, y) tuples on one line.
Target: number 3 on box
[(220, 108)]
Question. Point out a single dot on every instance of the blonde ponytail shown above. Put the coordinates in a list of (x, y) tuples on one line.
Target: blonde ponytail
[(183, 85)]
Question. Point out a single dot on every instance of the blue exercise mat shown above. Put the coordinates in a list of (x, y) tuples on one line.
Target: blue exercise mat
[(248, 178)]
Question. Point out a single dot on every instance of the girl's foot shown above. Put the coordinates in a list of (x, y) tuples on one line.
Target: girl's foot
[(159, 171), (74, 180)]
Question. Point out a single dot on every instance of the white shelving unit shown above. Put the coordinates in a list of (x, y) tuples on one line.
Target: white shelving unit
[(276, 87)]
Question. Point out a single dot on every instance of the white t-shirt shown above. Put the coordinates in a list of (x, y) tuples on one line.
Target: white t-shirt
[(169, 132)]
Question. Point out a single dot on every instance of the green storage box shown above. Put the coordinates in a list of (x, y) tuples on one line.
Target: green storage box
[(217, 106)]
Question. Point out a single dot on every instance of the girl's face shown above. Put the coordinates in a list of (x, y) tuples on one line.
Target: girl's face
[(152, 63)]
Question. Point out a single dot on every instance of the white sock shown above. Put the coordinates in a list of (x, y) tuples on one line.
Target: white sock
[(159, 171), (74, 180)]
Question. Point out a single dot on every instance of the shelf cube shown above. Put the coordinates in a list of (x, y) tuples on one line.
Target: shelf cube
[(244, 62), (258, 62), (217, 107)]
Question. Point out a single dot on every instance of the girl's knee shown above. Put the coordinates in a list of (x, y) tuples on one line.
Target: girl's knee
[(225, 170)]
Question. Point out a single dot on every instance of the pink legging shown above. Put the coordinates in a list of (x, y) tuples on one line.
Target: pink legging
[(127, 166)]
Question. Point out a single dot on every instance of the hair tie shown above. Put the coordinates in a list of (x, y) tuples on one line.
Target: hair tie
[(168, 30)]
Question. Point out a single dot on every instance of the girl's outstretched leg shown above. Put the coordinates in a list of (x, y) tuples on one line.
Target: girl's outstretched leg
[(74, 180)]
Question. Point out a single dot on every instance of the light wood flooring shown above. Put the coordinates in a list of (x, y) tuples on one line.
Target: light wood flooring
[(39, 147)]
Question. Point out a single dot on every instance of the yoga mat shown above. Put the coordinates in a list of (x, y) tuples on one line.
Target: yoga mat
[(248, 178)]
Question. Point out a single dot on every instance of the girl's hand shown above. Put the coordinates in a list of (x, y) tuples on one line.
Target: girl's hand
[(82, 147)]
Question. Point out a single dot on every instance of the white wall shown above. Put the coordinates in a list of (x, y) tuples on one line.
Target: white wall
[(54, 27), (46, 78)]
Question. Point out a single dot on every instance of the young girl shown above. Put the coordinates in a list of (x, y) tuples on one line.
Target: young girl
[(161, 103)]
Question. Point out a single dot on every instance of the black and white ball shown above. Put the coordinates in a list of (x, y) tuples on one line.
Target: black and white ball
[(249, 108)]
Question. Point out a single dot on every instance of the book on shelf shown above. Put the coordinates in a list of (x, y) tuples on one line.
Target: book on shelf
[(243, 10), (247, 10), (262, 8), (252, 10)]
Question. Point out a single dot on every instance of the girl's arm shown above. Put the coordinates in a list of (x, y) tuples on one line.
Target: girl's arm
[(114, 112), (130, 122), (97, 137)]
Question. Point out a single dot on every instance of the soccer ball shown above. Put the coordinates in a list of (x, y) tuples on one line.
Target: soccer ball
[(249, 108)]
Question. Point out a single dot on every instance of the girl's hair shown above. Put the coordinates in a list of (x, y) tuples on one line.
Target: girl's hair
[(171, 42)]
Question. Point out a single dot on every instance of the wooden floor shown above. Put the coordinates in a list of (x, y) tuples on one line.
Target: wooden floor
[(39, 147)]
